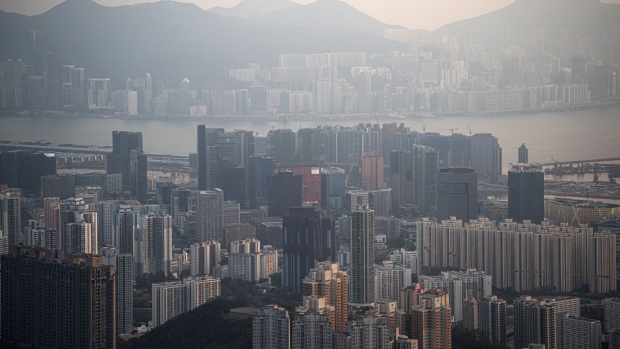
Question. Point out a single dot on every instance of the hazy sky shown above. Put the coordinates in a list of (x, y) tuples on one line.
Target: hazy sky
[(423, 14)]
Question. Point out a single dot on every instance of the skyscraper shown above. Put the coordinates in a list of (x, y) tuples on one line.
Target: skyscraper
[(486, 156), (574, 332), (362, 240), (259, 168), (371, 171), (270, 328), (10, 218), (123, 264), (311, 328), (76, 295), (457, 194), (309, 238), (24, 169), (158, 230), (523, 154), (492, 316), (284, 192), (128, 158), (209, 215), (526, 193), (326, 280), (311, 145), (282, 146), (431, 322), (413, 177), (536, 320), (204, 257)]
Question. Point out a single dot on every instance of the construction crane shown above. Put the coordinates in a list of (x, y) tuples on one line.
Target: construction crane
[(429, 250), (346, 181), (450, 129), (470, 133), (454, 255)]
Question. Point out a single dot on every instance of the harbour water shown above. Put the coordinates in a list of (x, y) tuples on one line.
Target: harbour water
[(563, 136)]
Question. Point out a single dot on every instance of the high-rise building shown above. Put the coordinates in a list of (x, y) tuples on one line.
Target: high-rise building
[(362, 268), (284, 192), (174, 298), (10, 218), (371, 171), (526, 193), (523, 154), (204, 258), (431, 322), (24, 169), (457, 194), (179, 202), (311, 145), (309, 238), (611, 310), (282, 146), (574, 332), (389, 279), (370, 331), (536, 320), (601, 264), (123, 264), (311, 328), (470, 314), (492, 319), (270, 328), (413, 178), (259, 168), (158, 231), (77, 295), (328, 281), (209, 215), (128, 159), (486, 156)]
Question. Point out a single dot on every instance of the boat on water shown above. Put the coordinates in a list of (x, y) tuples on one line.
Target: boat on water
[(425, 115), (397, 116)]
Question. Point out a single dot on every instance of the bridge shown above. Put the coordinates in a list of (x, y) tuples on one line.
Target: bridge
[(51, 148), (577, 161)]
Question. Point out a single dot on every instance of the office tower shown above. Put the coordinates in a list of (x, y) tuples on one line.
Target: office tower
[(332, 189), (523, 154), (470, 313), (486, 156), (362, 268), (389, 279), (611, 310), (371, 171), (457, 194), (354, 198), (33, 49), (311, 145), (535, 320), (230, 212), (380, 200), (209, 215), (242, 102), (526, 192), (284, 192), (10, 218), (210, 156), (238, 231), (200, 290), (169, 299), (388, 226), (328, 281), (431, 322), (234, 185), (126, 229), (24, 169), (574, 332), (270, 328), (309, 238), (123, 265), (311, 328), (413, 178), (259, 168), (282, 146), (452, 151), (270, 233), (62, 186), (128, 159), (310, 179), (370, 331), (77, 295), (158, 230), (204, 258), (492, 319), (201, 149), (179, 204)]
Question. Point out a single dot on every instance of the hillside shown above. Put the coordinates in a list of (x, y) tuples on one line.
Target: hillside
[(248, 8), (583, 17), (325, 15), (169, 39)]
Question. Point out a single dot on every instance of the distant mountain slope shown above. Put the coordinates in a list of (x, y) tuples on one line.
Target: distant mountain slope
[(586, 17), (169, 39), (248, 8), (326, 15)]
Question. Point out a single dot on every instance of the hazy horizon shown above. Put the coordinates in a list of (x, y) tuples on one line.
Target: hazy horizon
[(412, 14)]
